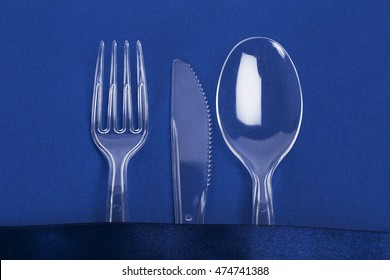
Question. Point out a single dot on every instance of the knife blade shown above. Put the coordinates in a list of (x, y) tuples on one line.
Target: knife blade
[(191, 135)]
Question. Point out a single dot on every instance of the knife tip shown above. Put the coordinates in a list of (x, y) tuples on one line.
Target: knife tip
[(178, 61)]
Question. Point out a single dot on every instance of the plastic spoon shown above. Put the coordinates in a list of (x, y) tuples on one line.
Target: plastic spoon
[(259, 110)]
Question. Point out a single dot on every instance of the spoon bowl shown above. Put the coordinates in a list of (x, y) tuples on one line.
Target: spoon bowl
[(259, 111)]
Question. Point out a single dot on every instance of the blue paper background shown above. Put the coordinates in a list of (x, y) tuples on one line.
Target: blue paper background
[(336, 175)]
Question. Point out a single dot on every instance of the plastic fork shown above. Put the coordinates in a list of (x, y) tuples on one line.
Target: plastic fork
[(119, 144)]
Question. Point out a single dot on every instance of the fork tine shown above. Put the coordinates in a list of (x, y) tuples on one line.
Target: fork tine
[(98, 89), (127, 107), (112, 98), (143, 113)]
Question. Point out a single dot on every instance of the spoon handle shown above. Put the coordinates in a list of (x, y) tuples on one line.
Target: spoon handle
[(262, 207)]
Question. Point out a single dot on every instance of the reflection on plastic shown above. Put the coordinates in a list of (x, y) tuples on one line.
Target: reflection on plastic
[(248, 91), (280, 49)]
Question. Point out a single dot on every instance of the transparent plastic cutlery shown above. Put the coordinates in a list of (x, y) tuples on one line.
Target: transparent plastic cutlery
[(191, 141), (259, 111), (119, 144)]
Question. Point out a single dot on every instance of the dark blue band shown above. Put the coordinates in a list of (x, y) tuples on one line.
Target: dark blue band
[(169, 241)]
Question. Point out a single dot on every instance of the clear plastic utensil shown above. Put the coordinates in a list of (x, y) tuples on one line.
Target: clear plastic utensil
[(119, 144), (259, 111)]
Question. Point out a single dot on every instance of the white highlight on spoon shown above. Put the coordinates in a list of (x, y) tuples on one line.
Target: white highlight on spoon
[(248, 91), (280, 49)]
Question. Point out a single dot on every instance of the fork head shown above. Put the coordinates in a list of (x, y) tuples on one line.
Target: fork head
[(120, 143)]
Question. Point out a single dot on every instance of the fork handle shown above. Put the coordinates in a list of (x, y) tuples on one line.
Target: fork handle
[(117, 207)]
